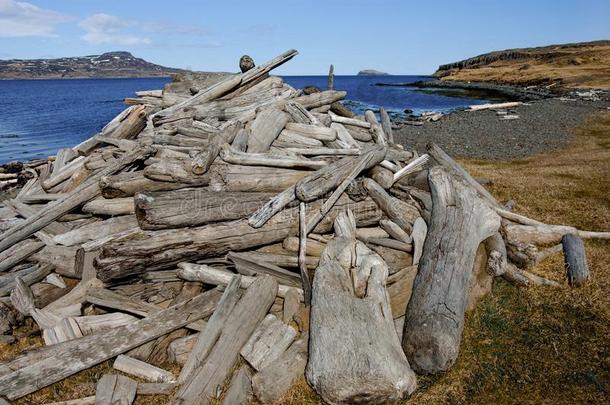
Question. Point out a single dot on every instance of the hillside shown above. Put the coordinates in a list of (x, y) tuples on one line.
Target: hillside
[(583, 65), (110, 64)]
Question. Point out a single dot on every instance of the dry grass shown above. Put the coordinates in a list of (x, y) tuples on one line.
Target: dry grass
[(520, 346), (583, 67)]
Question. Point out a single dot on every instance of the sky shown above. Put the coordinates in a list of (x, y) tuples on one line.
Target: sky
[(399, 37)]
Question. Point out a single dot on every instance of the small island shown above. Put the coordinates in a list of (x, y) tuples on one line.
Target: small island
[(372, 72)]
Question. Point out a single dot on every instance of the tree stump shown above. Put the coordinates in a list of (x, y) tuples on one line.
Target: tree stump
[(460, 221)]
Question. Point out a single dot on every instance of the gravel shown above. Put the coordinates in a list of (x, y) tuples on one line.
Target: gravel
[(542, 127)]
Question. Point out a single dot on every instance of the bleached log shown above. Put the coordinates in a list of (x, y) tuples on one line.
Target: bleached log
[(109, 206), (548, 234), (232, 156), (64, 330), (312, 247), (395, 231), (27, 211), (349, 296), (176, 172), (247, 313), (268, 341), (192, 207), (240, 388), (414, 166), (19, 252), (442, 158), (62, 258), (274, 380), (418, 236), (129, 183), (386, 125), (400, 212), (253, 178), (524, 278), (80, 401), (94, 323), (497, 261), (63, 174), (249, 264), (331, 176), (305, 277), (83, 193), (22, 297), (210, 275), (383, 176), (55, 280), (75, 296), (378, 136), (266, 127), (96, 230), (109, 299), (400, 287), (203, 160), (435, 316), (318, 132), (291, 305), (272, 207), (322, 98), (494, 106), (323, 151), (140, 369), (575, 259), (28, 275), (299, 114), (349, 121), (38, 369), (292, 139), (115, 389)]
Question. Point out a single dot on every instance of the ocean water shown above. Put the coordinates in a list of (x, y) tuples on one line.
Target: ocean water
[(38, 117)]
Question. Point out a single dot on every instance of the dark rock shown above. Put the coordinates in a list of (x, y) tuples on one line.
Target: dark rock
[(307, 90), (13, 167), (246, 63)]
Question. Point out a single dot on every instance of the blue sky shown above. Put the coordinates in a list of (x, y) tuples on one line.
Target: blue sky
[(400, 37)]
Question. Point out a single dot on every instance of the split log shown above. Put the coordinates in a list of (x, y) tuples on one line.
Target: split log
[(83, 193), (266, 127), (400, 288), (349, 296), (435, 316), (64, 330), (193, 207), (274, 380), (240, 142), (268, 341), (110, 206), (414, 166), (395, 231), (38, 369), (22, 297), (287, 139), (115, 389), (239, 325), (575, 259), (62, 258), (109, 299), (95, 323), (240, 388), (418, 236), (272, 207), (142, 370), (349, 121)]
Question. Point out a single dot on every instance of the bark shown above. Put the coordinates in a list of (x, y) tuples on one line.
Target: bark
[(575, 259)]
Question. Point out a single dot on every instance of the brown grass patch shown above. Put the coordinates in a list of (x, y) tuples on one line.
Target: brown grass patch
[(520, 346)]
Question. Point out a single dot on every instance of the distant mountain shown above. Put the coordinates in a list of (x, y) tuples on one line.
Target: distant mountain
[(372, 72), (584, 64), (108, 65)]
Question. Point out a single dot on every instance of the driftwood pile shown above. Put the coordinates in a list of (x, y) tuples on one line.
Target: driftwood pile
[(253, 233)]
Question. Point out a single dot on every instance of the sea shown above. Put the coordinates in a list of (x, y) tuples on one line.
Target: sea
[(38, 117)]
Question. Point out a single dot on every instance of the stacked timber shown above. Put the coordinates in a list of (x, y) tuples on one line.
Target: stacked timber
[(254, 234)]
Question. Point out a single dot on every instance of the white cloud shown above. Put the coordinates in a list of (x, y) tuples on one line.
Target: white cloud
[(21, 19), (109, 29)]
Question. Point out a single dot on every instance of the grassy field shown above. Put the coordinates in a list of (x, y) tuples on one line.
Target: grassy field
[(535, 345), (582, 67)]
